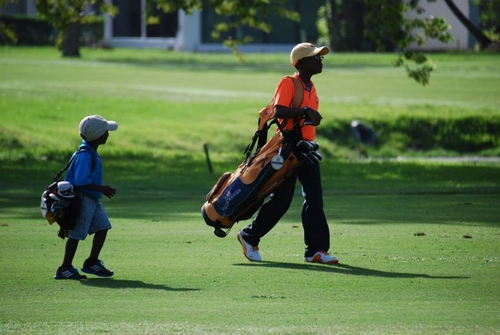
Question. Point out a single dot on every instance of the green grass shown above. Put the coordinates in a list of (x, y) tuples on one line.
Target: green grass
[(204, 96), (418, 241)]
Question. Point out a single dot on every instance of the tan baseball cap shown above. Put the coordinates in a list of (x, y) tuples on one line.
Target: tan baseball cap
[(94, 126), (303, 50)]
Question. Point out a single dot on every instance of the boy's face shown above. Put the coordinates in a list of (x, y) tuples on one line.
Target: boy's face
[(103, 138)]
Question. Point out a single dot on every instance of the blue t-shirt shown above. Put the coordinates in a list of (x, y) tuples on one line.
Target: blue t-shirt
[(86, 168)]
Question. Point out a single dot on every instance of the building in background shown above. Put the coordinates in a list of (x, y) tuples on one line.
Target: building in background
[(178, 31), (23, 7)]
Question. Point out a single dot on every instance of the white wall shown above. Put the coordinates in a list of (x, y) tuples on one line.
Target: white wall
[(458, 30)]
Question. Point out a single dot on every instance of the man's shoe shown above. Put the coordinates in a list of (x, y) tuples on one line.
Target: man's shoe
[(68, 273), (322, 257), (96, 268), (250, 252)]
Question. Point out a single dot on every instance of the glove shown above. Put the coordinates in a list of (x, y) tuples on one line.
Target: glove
[(313, 116)]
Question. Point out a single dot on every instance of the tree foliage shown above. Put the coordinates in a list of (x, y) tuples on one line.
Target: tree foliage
[(67, 16), (385, 23), (489, 18), (484, 41)]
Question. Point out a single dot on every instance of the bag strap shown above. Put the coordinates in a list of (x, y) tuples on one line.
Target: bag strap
[(298, 94), (80, 149), (267, 113)]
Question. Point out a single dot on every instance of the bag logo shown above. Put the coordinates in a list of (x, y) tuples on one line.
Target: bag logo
[(277, 162)]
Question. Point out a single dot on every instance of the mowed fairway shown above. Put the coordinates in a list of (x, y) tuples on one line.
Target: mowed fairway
[(418, 242)]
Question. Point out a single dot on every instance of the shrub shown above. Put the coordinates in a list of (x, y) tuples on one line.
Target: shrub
[(471, 134)]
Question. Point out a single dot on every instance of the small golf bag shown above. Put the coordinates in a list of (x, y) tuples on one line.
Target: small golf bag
[(237, 196)]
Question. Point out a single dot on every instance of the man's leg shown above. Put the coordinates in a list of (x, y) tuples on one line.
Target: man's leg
[(316, 231), (270, 213)]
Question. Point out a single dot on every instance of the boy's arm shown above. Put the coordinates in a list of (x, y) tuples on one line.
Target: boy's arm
[(104, 189)]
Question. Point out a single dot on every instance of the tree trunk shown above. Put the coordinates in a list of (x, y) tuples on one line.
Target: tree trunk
[(333, 25), (71, 41), (354, 12), (483, 40)]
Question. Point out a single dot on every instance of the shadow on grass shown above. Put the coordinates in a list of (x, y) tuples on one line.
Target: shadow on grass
[(123, 283), (346, 269)]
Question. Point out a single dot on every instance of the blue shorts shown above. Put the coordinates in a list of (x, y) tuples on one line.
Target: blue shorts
[(92, 218)]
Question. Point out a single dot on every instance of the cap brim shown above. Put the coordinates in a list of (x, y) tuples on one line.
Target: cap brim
[(321, 51), (112, 126)]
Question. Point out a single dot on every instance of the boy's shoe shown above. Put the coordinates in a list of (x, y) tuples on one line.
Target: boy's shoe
[(68, 273), (250, 252), (96, 268), (322, 257)]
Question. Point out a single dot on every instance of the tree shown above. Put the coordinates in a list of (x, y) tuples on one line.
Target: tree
[(385, 23), (346, 24), (489, 18), (67, 16), (415, 30), (483, 40)]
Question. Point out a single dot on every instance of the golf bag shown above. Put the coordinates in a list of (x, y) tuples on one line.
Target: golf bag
[(237, 196), (59, 202)]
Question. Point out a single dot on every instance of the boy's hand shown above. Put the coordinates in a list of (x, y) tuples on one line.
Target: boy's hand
[(108, 191)]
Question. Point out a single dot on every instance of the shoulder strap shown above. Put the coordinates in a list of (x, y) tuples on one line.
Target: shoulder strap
[(298, 95), (80, 149), (267, 113)]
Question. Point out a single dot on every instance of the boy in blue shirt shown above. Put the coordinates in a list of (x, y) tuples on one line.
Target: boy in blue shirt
[(85, 174)]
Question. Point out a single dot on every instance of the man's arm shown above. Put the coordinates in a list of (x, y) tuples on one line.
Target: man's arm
[(283, 112)]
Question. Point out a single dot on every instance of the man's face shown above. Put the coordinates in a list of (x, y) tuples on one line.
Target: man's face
[(312, 64)]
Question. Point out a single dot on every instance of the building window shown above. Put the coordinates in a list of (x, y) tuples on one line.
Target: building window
[(131, 21)]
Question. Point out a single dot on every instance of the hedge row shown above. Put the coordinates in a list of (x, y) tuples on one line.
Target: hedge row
[(464, 135), (34, 31)]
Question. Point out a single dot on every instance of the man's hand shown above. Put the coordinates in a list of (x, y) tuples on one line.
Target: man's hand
[(313, 116)]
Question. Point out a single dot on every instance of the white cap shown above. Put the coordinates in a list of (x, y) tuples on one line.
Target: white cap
[(303, 50), (94, 126)]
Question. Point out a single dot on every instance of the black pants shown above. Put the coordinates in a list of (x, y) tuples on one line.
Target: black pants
[(316, 232)]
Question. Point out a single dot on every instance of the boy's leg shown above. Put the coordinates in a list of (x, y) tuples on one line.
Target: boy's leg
[(92, 264), (69, 252), (67, 270), (99, 227), (97, 244)]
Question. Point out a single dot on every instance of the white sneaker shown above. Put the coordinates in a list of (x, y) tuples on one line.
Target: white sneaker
[(322, 257), (250, 252)]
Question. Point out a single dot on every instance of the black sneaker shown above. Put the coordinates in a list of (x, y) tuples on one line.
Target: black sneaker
[(68, 273), (96, 268)]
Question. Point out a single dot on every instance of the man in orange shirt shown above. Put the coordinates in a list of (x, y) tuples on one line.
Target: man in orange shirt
[(307, 59)]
